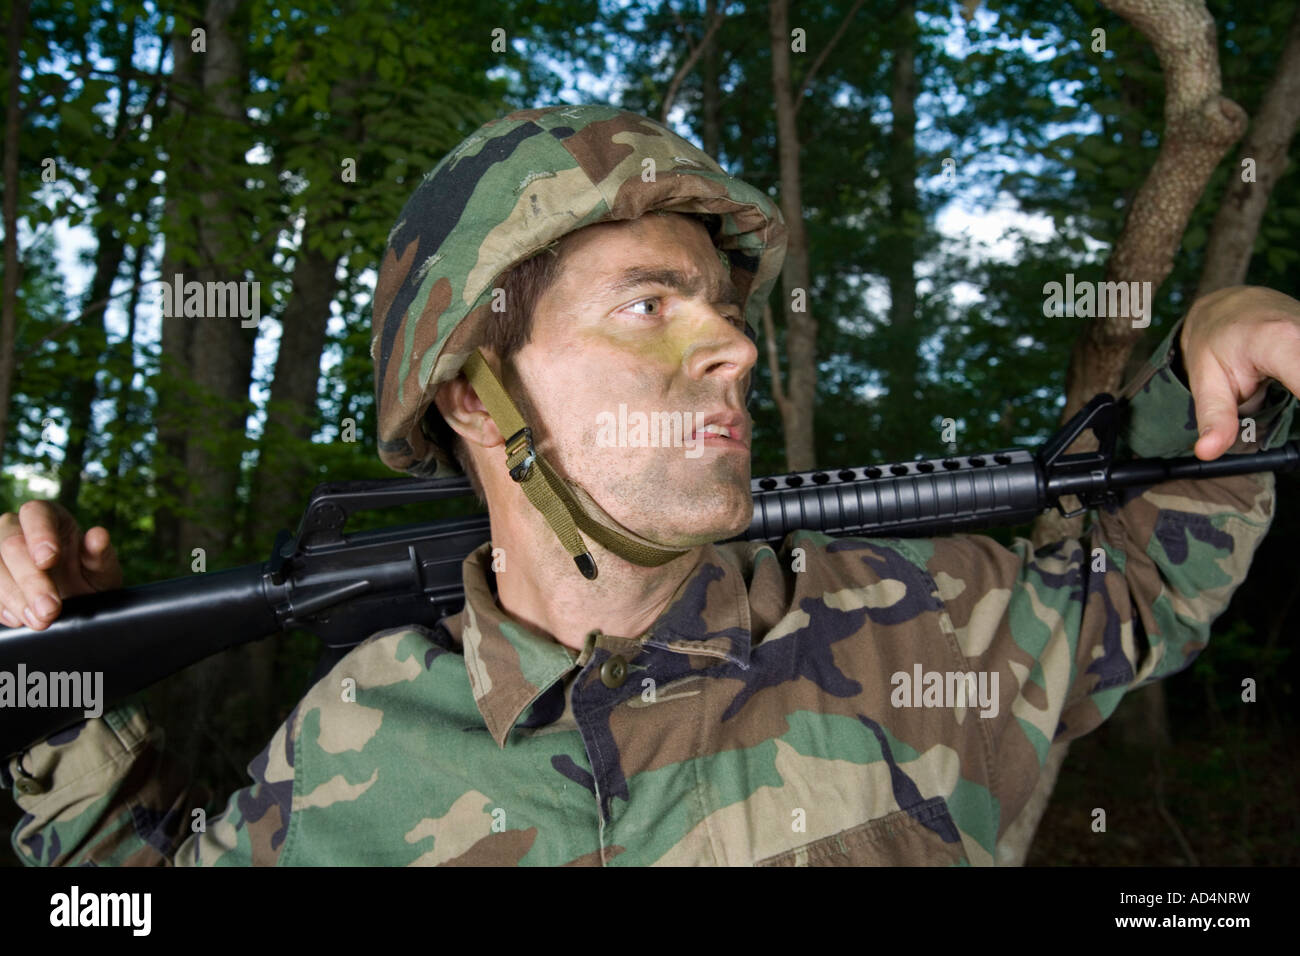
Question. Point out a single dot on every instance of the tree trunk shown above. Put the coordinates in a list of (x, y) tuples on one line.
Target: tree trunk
[(800, 325), (1200, 125), (179, 228), (222, 349), (91, 339), (1232, 237), (13, 275), (229, 690), (291, 409), (91, 334), (901, 424), (121, 459)]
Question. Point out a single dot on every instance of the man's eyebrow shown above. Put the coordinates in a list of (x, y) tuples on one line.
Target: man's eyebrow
[(722, 292)]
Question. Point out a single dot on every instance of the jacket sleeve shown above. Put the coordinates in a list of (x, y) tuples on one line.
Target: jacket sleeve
[(1073, 626), (103, 794)]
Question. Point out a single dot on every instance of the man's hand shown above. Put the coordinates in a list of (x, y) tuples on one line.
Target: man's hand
[(1233, 341), (44, 558)]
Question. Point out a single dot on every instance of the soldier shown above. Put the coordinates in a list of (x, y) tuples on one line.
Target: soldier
[(619, 690)]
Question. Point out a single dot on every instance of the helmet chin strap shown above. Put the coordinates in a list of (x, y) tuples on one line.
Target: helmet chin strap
[(569, 511)]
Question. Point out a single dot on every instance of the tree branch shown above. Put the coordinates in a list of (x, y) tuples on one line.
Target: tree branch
[(714, 21), (821, 57), (62, 327), (1236, 224)]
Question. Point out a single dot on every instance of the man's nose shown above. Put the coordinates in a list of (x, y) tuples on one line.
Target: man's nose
[(720, 347)]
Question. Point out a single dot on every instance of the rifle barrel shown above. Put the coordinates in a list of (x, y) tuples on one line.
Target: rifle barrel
[(133, 636)]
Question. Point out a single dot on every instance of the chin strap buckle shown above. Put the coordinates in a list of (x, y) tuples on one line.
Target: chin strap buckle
[(520, 470)]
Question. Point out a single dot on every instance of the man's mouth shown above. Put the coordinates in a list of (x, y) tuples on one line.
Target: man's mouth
[(723, 431)]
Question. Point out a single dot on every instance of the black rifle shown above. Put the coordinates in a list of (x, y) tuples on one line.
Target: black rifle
[(345, 587)]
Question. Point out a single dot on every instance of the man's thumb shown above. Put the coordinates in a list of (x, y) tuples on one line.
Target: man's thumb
[(1216, 413), (99, 565)]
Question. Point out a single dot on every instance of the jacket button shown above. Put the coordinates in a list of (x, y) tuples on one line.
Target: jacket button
[(613, 672), (29, 786)]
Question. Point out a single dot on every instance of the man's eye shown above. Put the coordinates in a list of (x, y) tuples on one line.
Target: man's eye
[(732, 315), (646, 302)]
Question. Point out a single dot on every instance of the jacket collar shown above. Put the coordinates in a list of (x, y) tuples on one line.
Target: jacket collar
[(511, 666)]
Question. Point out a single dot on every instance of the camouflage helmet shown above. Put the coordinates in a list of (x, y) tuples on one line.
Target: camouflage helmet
[(515, 186)]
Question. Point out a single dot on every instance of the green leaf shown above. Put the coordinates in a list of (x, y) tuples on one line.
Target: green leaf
[(1108, 107), (77, 118)]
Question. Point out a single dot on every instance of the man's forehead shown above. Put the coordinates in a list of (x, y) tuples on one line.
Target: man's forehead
[(714, 283), (698, 267)]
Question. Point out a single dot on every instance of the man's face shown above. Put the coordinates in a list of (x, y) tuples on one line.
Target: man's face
[(644, 315)]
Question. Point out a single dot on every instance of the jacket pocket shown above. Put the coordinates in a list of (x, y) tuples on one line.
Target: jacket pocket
[(925, 835)]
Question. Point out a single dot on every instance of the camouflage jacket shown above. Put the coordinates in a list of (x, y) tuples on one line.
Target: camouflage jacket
[(769, 716)]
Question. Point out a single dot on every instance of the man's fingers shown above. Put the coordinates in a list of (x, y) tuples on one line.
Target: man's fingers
[(1216, 409), (12, 602), (41, 526), (99, 564), (40, 600)]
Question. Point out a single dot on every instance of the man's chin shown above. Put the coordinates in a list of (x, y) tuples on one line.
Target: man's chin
[(718, 523), (680, 510)]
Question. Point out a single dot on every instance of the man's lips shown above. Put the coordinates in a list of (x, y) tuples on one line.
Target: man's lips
[(728, 428)]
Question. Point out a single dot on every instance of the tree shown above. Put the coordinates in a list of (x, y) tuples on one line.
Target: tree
[(1261, 161), (13, 278), (797, 397)]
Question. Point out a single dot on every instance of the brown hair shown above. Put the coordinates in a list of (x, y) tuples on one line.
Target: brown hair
[(504, 334)]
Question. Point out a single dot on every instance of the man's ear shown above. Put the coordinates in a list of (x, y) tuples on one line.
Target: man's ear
[(464, 413)]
